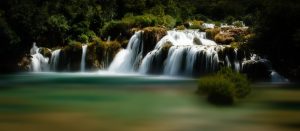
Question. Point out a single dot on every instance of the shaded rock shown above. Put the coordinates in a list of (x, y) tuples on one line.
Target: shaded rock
[(24, 63), (257, 69), (70, 57)]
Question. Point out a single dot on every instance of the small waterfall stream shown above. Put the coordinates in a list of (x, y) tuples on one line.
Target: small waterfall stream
[(38, 61), (127, 60), (54, 59), (83, 56)]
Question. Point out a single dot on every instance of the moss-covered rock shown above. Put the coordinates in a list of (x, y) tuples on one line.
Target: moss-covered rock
[(91, 57), (197, 41), (165, 48), (211, 33), (71, 56), (224, 38), (180, 27), (46, 52), (107, 51), (151, 35)]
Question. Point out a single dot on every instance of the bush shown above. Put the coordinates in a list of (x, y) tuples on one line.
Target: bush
[(115, 29), (219, 90), (180, 27), (195, 24), (242, 88), (238, 23), (224, 87), (83, 38)]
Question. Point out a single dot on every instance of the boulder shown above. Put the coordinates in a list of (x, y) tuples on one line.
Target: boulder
[(224, 38), (211, 33), (257, 69), (151, 35)]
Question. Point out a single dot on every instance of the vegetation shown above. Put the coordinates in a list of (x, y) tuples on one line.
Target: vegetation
[(224, 87)]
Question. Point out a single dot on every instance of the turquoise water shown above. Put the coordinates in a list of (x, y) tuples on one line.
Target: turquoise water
[(96, 78), (132, 102)]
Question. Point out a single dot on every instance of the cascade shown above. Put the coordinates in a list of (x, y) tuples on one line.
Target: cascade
[(54, 59), (83, 56), (38, 61), (127, 60), (191, 54), (179, 53)]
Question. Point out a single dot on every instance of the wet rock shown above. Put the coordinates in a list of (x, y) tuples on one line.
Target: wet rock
[(257, 69)]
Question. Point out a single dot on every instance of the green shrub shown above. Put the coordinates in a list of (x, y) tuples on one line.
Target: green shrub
[(224, 87), (115, 29), (83, 38), (167, 21), (238, 23), (242, 87), (195, 24), (219, 90), (180, 27)]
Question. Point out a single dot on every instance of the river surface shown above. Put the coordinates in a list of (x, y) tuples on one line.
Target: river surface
[(131, 102)]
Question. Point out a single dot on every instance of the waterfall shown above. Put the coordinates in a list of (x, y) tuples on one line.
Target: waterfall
[(190, 52), (54, 59), (237, 65), (82, 63), (127, 60), (179, 53), (175, 60), (185, 37), (38, 61)]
